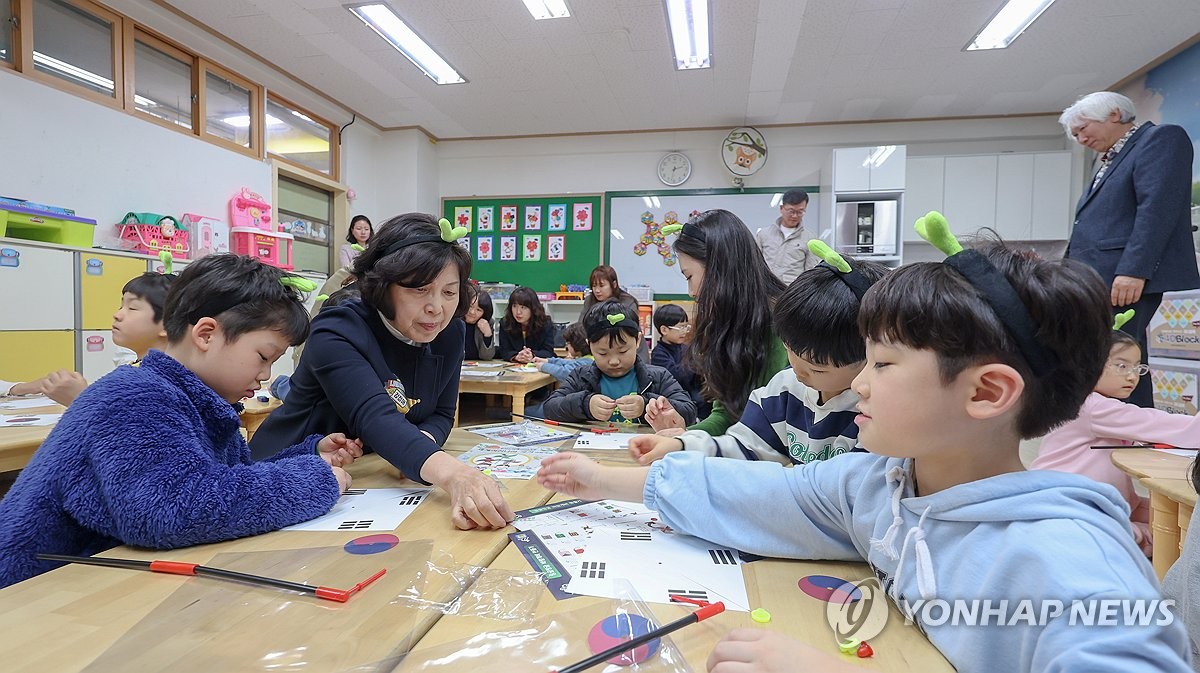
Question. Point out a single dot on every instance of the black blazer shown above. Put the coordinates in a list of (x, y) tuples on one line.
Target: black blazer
[(1137, 220), (541, 343), (339, 386)]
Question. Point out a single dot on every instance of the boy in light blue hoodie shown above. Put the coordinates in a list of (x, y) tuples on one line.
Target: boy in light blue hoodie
[(964, 359)]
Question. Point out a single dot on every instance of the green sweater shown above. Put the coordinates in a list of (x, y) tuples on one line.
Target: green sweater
[(719, 420)]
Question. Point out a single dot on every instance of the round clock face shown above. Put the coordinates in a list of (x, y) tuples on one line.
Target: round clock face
[(674, 169)]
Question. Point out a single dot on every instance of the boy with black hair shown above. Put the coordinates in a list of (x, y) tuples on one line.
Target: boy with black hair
[(964, 360), (579, 354), (617, 385), (807, 412), (671, 323), (153, 456)]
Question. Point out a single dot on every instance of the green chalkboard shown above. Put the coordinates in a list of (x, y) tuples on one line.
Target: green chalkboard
[(581, 251)]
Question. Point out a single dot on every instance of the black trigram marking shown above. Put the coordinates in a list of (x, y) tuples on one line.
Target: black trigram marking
[(689, 593), (355, 525), (355, 491), (412, 499), (635, 536), (593, 570), (722, 557)]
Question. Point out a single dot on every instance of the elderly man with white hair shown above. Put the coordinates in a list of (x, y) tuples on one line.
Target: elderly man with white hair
[(1133, 222)]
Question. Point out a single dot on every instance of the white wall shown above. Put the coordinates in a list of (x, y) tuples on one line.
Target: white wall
[(628, 161), (63, 150)]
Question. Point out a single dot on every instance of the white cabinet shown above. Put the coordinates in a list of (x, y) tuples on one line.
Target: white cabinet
[(100, 355), (926, 180), (1014, 197), (970, 193), (37, 288), (869, 169), (1052, 207)]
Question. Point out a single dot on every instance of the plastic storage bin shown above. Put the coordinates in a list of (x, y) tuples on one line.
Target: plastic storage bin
[(274, 248), (46, 226)]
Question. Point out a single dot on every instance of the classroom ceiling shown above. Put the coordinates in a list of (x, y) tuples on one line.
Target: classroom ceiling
[(609, 67)]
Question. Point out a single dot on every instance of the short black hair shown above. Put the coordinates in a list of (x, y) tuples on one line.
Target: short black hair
[(1120, 338), (151, 288), (575, 335), (241, 293), (931, 306), (485, 303), (597, 325), (816, 317), (793, 196), (669, 315), (350, 231), (416, 265)]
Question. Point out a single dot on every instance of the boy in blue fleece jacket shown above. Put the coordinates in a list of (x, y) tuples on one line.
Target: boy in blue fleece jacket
[(152, 456), (964, 359)]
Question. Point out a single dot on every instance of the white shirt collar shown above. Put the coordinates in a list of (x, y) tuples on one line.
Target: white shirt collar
[(396, 333)]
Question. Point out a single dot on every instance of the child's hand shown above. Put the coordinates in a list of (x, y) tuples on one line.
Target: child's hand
[(601, 407), (571, 474), (632, 406), (646, 449), (769, 652), (343, 477), (540, 361), (63, 386), (339, 451), (661, 415)]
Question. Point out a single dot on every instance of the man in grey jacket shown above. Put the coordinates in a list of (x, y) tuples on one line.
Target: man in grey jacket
[(784, 244)]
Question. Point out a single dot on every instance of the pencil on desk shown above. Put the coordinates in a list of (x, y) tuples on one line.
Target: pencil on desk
[(547, 421)]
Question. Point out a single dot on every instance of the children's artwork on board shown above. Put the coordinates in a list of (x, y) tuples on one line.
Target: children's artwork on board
[(462, 217), (654, 236), (583, 217), (483, 216), (556, 248), (506, 462), (508, 218), (556, 218), (483, 248), (533, 218), (508, 248), (532, 249), (465, 243)]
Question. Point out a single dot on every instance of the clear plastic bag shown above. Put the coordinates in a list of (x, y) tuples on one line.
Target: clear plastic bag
[(482, 592)]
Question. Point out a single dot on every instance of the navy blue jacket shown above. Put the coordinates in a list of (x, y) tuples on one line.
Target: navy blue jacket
[(150, 456), (670, 357), (1137, 221), (339, 386)]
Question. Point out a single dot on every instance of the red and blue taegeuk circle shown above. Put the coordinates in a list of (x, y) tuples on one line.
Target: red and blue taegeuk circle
[(371, 544), (614, 630), (829, 589)]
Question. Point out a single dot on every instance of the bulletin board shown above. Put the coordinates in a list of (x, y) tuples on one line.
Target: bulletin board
[(756, 206), (569, 244)]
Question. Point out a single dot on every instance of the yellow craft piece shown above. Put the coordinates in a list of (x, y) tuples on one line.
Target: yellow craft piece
[(849, 645), (760, 615)]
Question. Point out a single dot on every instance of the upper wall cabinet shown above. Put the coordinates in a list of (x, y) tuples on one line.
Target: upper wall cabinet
[(869, 169)]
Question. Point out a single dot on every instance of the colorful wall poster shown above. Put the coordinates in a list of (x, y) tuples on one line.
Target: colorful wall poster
[(508, 248), (583, 217), (508, 218), (465, 243), (533, 218), (556, 219), (483, 248), (532, 248), (462, 217), (556, 248), (483, 216)]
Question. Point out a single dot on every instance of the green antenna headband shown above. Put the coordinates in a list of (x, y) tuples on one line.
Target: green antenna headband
[(611, 321), (690, 228), (1121, 318), (997, 291), (849, 275)]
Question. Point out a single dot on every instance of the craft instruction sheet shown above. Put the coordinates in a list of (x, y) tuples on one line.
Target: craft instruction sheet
[(368, 509)]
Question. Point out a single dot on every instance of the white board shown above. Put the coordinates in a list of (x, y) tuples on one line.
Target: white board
[(626, 229)]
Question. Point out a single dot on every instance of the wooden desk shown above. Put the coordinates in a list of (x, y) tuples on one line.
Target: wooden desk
[(1139, 463), (511, 383), (255, 412), (1171, 505), (770, 583), (18, 444), (84, 616)]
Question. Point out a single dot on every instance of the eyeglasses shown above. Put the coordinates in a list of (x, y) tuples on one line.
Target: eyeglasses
[(1124, 369), (793, 212), (682, 329)]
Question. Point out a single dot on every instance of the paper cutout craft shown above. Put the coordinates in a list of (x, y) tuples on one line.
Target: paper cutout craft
[(533, 218), (483, 248), (556, 248), (371, 544), (582, 219), (612, 631), (506, 462), (508, 248), (508, 218), (462, 217), (521, 434), (532, 248), (483, 216), (368, 509), (556, 219)]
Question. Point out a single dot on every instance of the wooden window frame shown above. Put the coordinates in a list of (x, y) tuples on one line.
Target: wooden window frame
[(117, 100), (334, 140), (140, 34), (257, 110), (340, 215), (14, 61)]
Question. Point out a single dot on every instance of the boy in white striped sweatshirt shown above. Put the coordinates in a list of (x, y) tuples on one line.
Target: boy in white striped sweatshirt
[(805, 413)]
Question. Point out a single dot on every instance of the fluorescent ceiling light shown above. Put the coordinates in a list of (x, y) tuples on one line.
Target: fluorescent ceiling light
[(243, 121), (1008, 23), (547, 9), (383, 20), (688, 21)]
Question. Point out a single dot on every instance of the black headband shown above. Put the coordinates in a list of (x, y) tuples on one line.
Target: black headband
[(599, 328), (400, 245), (1007, 304), (853, 279)]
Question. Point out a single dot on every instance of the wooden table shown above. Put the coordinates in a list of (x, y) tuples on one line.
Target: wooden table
[(514, 384), (99, 619), (1172, 498), (18, 444), (254, 412)]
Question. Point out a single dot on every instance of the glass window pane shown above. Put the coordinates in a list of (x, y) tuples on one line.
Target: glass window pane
[(71, 44), (6, 31), (293, 135), (162, 85), (227, 109)]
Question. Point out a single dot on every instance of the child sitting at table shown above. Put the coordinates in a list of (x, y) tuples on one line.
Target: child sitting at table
[(806, 412), (617, 385), (579, 354), (964, 359), (671, 323), (1106, 420), (152, 456), (136, 326)]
